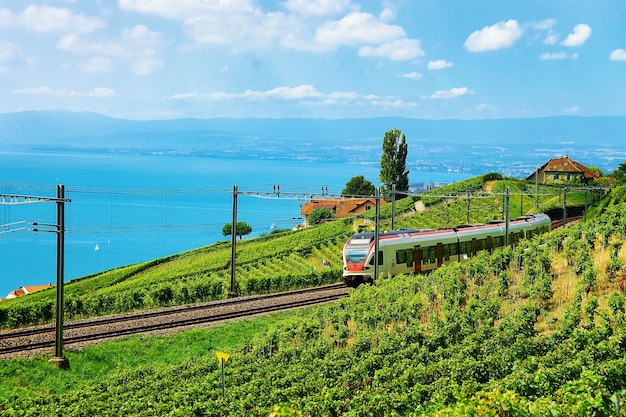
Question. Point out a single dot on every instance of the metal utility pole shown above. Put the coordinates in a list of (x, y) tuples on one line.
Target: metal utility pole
[(506, 217), (59, 360), (376, 235), (537, 188), (585, 212), (468, 204), (59, 228), (233, 236), (564, 206), (393, 206)]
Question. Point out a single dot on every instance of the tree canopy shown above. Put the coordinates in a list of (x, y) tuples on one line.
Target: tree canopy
[(318, 215), (359, 186), (393, 164), (243, 229)]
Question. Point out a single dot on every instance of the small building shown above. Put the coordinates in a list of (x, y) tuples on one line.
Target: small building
[(341, 207), (25, 290), (563, 171)]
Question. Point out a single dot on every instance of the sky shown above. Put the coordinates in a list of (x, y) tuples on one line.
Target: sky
[(431, 59)]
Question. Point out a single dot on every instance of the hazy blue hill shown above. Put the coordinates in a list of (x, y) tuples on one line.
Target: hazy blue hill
[(39, 126), (511, 146)]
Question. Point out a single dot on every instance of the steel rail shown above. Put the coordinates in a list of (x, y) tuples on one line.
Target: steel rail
[(165, 318)]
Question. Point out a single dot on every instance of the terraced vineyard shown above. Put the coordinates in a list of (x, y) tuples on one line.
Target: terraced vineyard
[(282, 260)]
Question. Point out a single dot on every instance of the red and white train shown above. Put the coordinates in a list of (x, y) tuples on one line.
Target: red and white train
[(414, 251)]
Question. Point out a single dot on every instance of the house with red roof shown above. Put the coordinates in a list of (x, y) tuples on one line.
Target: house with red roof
[(341, 207), (563, 170), (26, 290)]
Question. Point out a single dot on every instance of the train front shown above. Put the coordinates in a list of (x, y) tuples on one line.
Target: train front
[(357, 267)]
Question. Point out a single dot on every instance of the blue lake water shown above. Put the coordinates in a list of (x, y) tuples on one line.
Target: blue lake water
[(127, 208)]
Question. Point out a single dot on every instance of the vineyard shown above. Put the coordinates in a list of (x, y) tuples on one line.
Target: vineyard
[(535, 330), (282, 260)]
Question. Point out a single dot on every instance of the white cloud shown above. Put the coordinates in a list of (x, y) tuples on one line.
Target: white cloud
[(452, 93), (545, 24), (439, 64), (572, 110), (242, 31), (413, 76), (317, 7), (97, 92), (618, 55), (8, 52), (7, 18), (498, 36), (55, 19), (551, 39), (140, 35), (389, 12), (557, 55), (138, 44), (579, 36), (76, 44), (400, 50), (485, 107), (186, 9), (303, 93), (147, 66), (97, 64), (358, 28)]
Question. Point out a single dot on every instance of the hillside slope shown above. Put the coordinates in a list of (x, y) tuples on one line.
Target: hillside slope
[(537, 330), (279, 261)]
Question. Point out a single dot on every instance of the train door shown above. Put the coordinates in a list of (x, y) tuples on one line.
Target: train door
[(439, 254), (489, 244), (474, 246), (417, 257)]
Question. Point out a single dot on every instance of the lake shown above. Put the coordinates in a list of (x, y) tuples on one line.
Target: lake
[(128, 208)]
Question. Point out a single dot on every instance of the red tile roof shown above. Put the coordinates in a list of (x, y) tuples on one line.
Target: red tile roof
[(342, 207), (567, 165)]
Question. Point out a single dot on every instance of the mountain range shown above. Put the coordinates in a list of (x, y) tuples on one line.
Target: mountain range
[(510, 146)]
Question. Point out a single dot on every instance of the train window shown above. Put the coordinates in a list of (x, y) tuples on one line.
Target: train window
[(425, 259), (401, 256), (380, 258), (446, 252), (453, 249), (431, 255), (356, 255), (409, 257), (466, 247)]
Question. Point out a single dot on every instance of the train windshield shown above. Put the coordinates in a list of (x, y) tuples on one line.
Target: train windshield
[(356, 255)]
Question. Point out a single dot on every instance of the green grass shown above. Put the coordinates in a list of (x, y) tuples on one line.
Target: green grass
[(99, 364)]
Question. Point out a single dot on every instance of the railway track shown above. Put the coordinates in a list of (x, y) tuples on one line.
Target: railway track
[(559, 222), (40, 339)]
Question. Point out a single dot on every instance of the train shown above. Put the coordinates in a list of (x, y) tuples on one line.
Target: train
[(412, 251)]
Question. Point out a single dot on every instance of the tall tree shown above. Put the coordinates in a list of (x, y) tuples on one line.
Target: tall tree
[(393, 164), (359, 186), (242, 229)]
